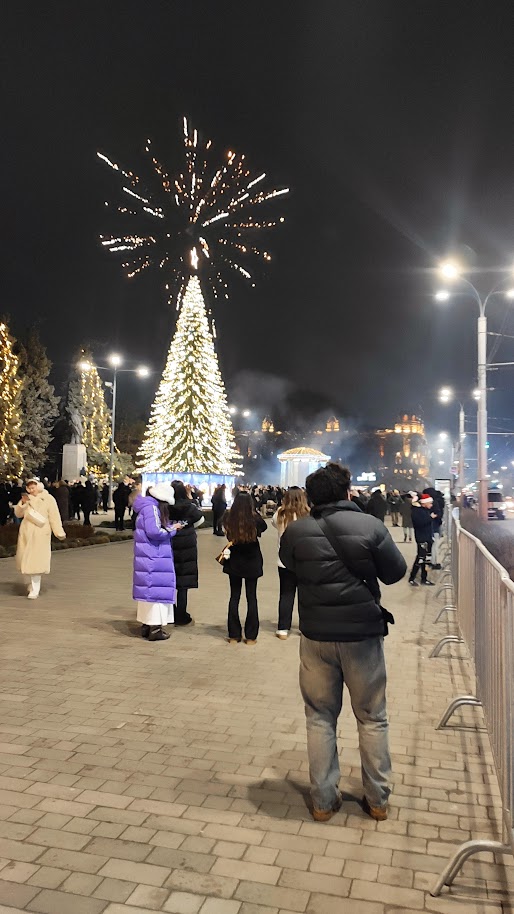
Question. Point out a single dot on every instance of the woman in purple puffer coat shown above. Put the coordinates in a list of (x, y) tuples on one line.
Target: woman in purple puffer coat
[(154, 582)]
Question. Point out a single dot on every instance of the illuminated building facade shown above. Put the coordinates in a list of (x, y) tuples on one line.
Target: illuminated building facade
[(403, 452)]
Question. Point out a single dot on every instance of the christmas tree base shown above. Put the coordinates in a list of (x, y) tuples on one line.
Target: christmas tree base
[(207, 482)]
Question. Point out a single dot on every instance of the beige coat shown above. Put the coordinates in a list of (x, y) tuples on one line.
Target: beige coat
[(33, 552)]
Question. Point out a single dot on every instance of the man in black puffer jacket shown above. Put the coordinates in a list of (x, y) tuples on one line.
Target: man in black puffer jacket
[(343, 627)]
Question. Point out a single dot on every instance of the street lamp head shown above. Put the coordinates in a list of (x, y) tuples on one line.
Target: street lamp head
[(84, 365), (115, 360), (246, 413), (476, 394), (509, 294), (449, 269), (443, 436), (442, 295), (232, 410), (142, 371)]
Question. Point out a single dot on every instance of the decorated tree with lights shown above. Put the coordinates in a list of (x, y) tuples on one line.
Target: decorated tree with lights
[(38, 403), (190, 428), (10, 389), (87, 414), (201, 222)]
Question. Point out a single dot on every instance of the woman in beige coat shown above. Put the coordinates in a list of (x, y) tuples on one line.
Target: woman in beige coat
[(40, 518)]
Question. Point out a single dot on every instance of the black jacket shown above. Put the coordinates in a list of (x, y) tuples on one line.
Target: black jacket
[(246, 558), (377, 505), (336, 601), (184, 544), (422, 523)]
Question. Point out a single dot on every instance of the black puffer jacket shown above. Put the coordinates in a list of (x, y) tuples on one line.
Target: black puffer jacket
[(184, 545), (334, 602), (422, 522)]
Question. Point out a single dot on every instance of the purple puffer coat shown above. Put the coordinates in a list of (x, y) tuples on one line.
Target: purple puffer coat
[(154, 572)]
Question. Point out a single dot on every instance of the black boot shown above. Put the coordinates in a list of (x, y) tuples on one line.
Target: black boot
[(157, 633), (145, 631)]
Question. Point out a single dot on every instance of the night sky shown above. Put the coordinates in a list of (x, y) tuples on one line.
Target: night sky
[(391, 122)]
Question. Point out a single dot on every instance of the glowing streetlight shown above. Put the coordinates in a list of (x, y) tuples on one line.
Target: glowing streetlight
[(246, 413), (115, 360), (232, 410), (449, 269), (442, 295), (443, 436), (509, 294), (85, 366), (143, 371)]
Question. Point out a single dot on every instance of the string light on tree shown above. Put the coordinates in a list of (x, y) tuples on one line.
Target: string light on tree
[(96, 416), (206, 209), (190, 429), (10, 389)]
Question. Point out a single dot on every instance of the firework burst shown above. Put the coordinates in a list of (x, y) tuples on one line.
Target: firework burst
[(204, 218)]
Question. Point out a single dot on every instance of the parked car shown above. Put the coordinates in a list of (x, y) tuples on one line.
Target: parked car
[(496, 505)]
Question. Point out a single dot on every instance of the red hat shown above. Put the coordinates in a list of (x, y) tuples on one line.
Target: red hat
[(425, 499)]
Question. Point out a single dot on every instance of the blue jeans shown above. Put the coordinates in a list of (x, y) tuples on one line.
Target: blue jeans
[(324, 668)]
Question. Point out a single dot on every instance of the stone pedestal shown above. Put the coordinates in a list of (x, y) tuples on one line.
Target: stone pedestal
[(74, 459)]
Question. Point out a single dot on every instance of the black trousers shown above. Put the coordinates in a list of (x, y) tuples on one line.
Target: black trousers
[(288, 585), (87, 512), (182, 616), (217, 527), (420, 561), (252, 613), (119, 514)]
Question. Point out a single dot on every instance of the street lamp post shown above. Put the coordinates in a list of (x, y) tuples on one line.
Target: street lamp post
[(446, 395), (452, 272)]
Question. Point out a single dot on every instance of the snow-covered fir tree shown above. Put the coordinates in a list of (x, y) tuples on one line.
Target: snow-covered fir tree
[(38, 403), (190, 429)]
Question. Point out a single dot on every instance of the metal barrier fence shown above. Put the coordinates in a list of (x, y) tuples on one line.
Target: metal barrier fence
[(484, 600)]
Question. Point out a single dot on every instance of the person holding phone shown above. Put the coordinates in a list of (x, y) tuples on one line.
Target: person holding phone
[(39, 519), (154, 581), (185, 548)]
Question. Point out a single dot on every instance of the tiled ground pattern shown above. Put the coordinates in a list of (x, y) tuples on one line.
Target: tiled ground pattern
[(172, 777)]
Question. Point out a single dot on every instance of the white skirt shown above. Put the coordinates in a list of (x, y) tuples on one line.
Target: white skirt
[(155, 613)]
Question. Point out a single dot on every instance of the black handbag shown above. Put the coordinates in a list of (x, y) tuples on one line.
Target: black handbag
[(329, 534)]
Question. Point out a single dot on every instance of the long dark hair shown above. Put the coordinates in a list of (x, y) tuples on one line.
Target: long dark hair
[(164, 509), (240, 523)]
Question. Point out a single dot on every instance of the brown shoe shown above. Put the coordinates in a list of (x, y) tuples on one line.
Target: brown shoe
[(234, 640), (379, 813), (323, 815), (250, 641)]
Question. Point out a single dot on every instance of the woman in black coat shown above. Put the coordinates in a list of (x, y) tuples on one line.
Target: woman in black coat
[(185, 549), (219, 506), (243, 527)]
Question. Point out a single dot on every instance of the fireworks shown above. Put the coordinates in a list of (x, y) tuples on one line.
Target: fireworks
[(202, 218)]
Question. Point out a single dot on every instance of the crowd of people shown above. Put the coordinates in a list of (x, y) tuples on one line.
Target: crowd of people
[(333, 550)]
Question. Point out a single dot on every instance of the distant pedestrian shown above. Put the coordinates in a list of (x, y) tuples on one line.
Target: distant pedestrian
[(40, 518), (338, 555), (154, 582), (105, 497), (422, 518), (219, 506), (293, 507), (394, 502), (438, 506), (377, 505), (406, 515), (120, 497), (185, 549), (243, 527), (62, 496)]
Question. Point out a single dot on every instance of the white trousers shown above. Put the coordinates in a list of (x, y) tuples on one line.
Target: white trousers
[(34, 583), (155, 613)]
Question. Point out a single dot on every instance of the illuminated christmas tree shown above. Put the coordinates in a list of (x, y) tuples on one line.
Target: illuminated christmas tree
[(89, 417), (190, 428), (10, 388)]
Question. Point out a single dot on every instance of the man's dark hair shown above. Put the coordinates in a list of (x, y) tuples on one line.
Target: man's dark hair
[(330, 483)]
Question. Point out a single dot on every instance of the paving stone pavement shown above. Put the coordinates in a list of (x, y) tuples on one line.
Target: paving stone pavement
[(173, 777)]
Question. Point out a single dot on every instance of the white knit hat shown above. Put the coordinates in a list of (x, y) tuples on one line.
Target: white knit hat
[(163, 492)]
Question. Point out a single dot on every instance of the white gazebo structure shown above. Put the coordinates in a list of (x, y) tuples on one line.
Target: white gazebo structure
[(296, 464)]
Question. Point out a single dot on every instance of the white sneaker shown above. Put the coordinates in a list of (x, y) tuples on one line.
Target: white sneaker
[(32, 596), (282, 634)]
